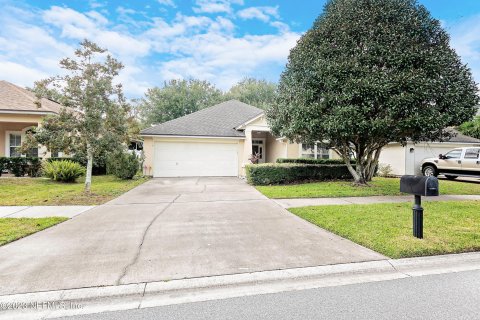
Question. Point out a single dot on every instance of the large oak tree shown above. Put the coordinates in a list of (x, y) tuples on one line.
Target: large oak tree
[(370, 72)]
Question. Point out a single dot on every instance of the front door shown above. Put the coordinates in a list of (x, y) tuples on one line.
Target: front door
[(258, 147)]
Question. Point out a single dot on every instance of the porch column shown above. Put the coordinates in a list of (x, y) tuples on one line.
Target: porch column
[(42, 150), (247, 151)]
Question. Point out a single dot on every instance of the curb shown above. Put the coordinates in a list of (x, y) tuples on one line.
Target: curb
[(52, 304)]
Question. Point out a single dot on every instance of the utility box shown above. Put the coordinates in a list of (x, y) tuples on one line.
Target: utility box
[(419, 185)]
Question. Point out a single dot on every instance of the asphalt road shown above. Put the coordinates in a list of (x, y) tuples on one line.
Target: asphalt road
[(447, 296)]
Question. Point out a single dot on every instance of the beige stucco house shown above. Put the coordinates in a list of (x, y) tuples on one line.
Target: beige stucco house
[(18, 114), (217, 141)]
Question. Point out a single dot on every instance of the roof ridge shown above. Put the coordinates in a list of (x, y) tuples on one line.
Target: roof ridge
[(20, 89), (25, 99), (209, 108)]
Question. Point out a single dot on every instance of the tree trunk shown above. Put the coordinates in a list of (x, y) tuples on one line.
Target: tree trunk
[(366, 161), (88, 177)]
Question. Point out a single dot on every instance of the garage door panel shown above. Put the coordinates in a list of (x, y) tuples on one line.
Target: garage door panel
[(195, 159)]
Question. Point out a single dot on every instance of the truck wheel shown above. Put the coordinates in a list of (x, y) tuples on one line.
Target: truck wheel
[(451, 177), (429, 171)]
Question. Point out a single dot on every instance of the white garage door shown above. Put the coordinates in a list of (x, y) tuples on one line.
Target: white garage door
[(195, 159)]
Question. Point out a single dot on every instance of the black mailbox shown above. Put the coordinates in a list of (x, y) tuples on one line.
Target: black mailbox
[(420, 186)]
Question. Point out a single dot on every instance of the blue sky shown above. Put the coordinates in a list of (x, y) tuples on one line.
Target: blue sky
[(221, 41)]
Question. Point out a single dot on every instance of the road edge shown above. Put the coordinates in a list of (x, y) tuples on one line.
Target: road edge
[(59, 303)]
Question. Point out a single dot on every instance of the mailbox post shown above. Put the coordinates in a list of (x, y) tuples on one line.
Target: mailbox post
[(419, 186), (418, 217)]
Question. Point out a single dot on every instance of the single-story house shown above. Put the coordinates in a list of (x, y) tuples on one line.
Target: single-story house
[(407, 159), (217, 141), (18, 115)]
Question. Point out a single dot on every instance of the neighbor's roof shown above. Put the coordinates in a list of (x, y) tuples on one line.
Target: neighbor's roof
[(217, 121), (17, 99), (461, 138)]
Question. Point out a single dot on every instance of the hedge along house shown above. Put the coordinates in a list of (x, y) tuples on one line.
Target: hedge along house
[(18, 115), (216, 141)]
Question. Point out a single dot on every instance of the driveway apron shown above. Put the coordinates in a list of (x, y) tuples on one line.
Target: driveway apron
[(171, 228)]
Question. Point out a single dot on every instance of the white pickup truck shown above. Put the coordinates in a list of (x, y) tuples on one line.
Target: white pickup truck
[(455, 163)]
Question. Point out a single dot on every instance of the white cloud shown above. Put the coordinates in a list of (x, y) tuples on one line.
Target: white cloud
[(96, 4), (157, 49), (125, 11), (465, 38), (225, 59), (168, 3), (261, 13), (215, 6), (79, 26), (19, 74)]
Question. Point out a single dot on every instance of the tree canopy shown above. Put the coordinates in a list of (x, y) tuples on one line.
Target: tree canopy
[(95, 117), (370, 72), (176, 99), (258, 93), (471, 128)]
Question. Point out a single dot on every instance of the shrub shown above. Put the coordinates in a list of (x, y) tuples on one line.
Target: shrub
[(264, 174), (99, 162), (18, 166), (123, 165), (64, 170), (34, 166), (61, 159), (4, 162), (385, 170), (310, 161)]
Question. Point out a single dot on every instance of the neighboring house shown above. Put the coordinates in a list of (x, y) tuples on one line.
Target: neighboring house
[(216, 141), (407, 159), (18, 114)]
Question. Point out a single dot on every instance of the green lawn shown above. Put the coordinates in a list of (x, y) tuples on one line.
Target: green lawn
[(42, 191), (449, 227), (378, 187), (12, 229)]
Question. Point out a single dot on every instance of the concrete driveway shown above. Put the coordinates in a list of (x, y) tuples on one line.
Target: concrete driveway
[(171, 229)]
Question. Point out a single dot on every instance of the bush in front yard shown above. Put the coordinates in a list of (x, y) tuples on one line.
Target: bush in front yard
[(123, 165), (34, 167), (63, 171), (18, 166), (3, 164), (310, 161), (279, 173)]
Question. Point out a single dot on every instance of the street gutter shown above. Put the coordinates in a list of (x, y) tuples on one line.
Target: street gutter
[(152, 294)]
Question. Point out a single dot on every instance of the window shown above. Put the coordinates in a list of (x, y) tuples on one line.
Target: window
[(322, 153), (308, 151), (314, 151), (15, 142), (454, 154), (472, 153)]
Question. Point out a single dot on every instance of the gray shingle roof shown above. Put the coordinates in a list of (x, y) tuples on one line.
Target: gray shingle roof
[(15, 98), (217, 121), (461, 138)]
